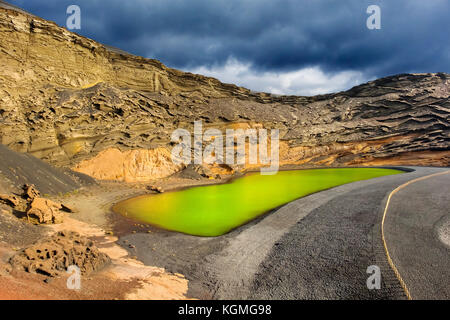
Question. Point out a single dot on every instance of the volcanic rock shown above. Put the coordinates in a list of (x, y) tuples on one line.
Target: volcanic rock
[(67, 208), (37, 210), (54, 255), (30, 192), (44, 211), (156, 189), (74, 102), (10, 200)]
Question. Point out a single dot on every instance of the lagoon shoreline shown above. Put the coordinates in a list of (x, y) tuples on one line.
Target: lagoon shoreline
[(244, 262)]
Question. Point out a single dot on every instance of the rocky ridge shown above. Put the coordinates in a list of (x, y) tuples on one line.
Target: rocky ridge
[(69, 100)]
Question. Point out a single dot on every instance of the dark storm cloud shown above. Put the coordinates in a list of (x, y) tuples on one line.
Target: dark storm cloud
[(271, 35)]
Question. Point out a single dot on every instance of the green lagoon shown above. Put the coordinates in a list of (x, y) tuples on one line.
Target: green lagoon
[(216, 209)]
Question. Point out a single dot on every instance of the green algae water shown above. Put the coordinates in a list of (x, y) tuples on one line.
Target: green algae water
[(216, 209)]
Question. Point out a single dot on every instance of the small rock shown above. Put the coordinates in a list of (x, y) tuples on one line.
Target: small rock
[(10, 200), (156, 189), (30, 192), (66, 208)]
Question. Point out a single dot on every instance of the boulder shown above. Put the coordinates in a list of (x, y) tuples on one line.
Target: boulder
[(52, 256), (44, 211)]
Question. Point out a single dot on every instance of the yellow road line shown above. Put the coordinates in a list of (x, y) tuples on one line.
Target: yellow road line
[(391, 263)]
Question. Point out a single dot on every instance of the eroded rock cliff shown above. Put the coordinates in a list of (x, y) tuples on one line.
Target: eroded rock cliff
[(70, 101)]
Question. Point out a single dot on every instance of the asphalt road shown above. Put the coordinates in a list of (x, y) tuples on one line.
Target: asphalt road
[(417, 231), (317, 247)]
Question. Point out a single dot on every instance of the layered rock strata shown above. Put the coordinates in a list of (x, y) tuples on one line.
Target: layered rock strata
[(74, 102)]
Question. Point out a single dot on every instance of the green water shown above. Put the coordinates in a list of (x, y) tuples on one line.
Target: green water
[(216, 209)]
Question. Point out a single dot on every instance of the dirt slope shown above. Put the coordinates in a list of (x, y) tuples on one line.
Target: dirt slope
[(17, 169)]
